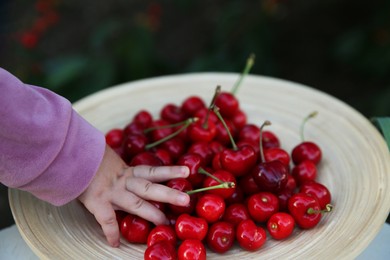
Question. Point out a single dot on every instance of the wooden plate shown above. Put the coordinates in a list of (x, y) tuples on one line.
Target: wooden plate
[(355, 167)]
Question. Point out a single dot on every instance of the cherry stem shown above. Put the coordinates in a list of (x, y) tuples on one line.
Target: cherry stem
[(224, 185), (249, 64), (211, 106), (150, 129), (203, 171), (216, 111), (187, 122), (311, 115), (261, 139), (328, 208)]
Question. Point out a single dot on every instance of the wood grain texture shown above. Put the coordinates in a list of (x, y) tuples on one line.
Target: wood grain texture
[(355, 168)]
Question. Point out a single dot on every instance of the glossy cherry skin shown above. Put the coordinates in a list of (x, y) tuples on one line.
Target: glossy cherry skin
[(182, 184), (248, 185), (222, 135), (160, 250), (283, 197), (300, 205), (134, 144), (191, 249), (163, 155), (160, 133), (250, 132), (114, 138), (143, 118), (201, 132), (262, 206), (317, 190), (236, 213), (192, 105), (224, 176), (304, 171), (211, 207), (221, 237), (270, 176), (162, 233), (135, 229), (175, 146), (227, 103), (190, 227), (249, 236), (280, 225), (272, 154), (306, 151), (172, 113), (146, 158), (240, 161), (239, 119), (203, 150), (270, 140), (193, 162)]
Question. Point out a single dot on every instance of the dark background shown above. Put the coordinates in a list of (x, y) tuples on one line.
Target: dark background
[(75, 48)]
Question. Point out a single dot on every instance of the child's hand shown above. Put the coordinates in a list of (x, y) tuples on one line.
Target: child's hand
[(119, 187)]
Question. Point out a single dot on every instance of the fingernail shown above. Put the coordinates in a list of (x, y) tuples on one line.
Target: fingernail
[(185, 171), (183, 199)]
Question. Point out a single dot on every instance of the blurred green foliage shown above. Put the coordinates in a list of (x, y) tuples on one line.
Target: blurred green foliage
[(340, 47)]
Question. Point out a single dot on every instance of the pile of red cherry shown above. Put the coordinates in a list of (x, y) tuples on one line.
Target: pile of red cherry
[(242, 183)]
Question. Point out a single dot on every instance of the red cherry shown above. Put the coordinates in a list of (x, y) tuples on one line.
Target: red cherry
[(262, 206), (249, 236), (133, 128), (190, 227), (120, 215), (248, 185), (236, 197), (159, 130), (227, 103), (162, 233), (143, 118), (238, 161), (224, 176), (184, 185), (222, 136), (201, 131), (283, 197), (317, 190), (210, 207), (193, 162), (305, 171), (273, 154), (305, 210), (175, 147), (135, 229), (270, 140), (192, 105), (134, 144), (236, 213), (206, 112), (220, 237), (114, 138), (251, 133), (270, 176), (203, 150), (145, 158), (306, 151), (163, 155), (280, 225), (239, 119), (160, 250), (191, 249), (172, 113)]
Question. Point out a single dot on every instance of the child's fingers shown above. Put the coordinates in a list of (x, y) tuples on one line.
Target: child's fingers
[(161, 173)]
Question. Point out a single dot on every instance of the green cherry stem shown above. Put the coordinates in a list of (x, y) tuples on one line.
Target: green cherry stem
[(224, 185), (203, 171), (261, 140), (211, 106), (311, 115), (150, 129), (187, 122), (216, 111), (328, 208), (249, 64)]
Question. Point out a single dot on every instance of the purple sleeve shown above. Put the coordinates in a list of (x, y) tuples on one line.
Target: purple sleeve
[(46, 148)]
